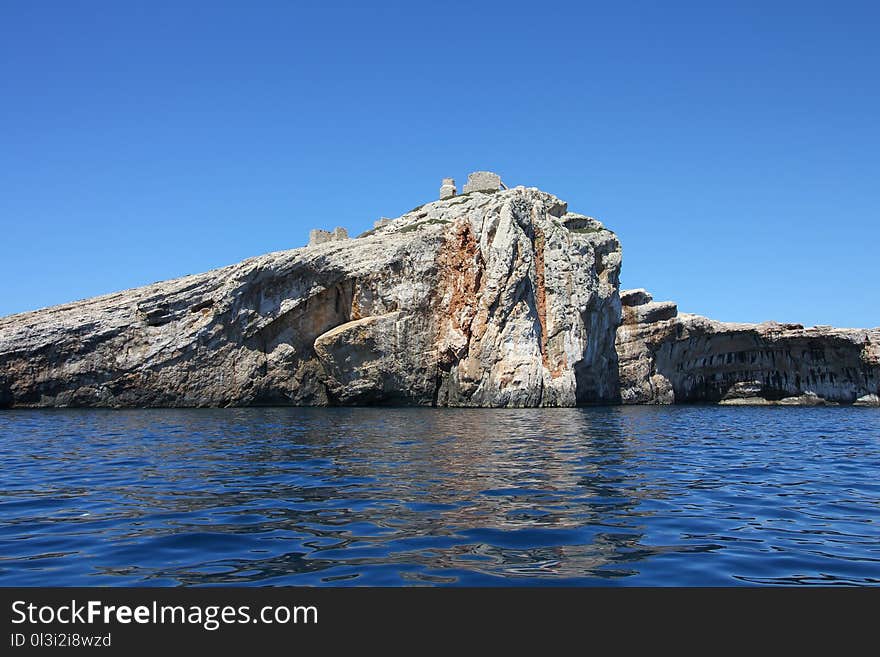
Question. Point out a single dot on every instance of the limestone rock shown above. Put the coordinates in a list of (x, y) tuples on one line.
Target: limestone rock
[(637, 297), (486, 300), (373, 359), (650, 312), (669, 358), (490, 299)]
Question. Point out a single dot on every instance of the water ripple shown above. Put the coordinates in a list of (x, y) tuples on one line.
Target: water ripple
[(638, 495)]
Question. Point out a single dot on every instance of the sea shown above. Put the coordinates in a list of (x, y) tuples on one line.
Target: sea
[(598, 496)]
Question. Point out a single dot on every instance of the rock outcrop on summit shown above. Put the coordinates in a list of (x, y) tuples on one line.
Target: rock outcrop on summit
[(499, 298), (496, 297)]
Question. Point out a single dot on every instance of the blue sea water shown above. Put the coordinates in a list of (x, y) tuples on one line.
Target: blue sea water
[(691, 495)]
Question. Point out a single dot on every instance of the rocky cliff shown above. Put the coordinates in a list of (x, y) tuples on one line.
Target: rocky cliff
[(491, 298), (670, 358), (484, 299)]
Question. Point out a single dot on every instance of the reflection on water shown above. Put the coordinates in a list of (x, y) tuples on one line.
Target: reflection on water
[(638, 495)]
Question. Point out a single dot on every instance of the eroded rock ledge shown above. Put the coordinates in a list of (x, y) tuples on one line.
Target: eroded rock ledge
[(666, 357)]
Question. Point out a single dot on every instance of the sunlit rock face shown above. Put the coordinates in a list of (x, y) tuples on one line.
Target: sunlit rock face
[(486, 299), (489, 298), (670, 358)]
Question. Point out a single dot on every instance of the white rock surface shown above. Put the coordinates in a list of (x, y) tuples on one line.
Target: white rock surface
[(669, 358), (497, 298), (484, 300)]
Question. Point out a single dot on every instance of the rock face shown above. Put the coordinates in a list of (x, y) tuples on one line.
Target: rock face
[(494, 299), (670, 358)]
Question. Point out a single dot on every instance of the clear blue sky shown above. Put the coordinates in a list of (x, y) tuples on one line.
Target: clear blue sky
[(733, 146)]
